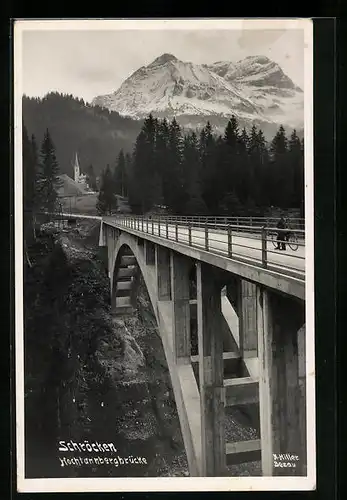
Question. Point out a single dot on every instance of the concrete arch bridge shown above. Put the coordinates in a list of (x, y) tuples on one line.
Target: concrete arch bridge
[(249, 301)]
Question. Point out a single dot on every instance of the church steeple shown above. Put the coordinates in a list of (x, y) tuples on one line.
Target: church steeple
[(77, 172)]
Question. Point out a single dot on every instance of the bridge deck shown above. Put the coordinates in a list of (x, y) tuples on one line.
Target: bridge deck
[(283, 270)]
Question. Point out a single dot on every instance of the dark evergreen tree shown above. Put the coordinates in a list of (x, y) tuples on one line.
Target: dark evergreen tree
[(174, 192), (91, 178), (29, 186), (258, 177), (146, 187), (244, 184), (128, 172), (229, 172), (262, 174), (107, 201), (254, 159), (120, 175), (194, 203), (48, 180), (244, 139), (279, 190), (296, 171), (207, 149), (162, 156)]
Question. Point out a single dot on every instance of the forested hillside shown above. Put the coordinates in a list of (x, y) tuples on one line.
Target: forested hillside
[(95, 133)]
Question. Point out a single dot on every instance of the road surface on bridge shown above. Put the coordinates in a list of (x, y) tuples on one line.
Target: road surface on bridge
[(245, 246)]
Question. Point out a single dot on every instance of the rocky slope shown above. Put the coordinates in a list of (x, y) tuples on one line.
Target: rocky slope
[(254, 89), (97, 377)]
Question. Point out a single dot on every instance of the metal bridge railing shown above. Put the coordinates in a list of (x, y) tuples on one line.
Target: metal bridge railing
[(220, 221), (254, 243)]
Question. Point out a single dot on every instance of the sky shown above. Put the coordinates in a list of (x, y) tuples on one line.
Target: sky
[(91, 63)]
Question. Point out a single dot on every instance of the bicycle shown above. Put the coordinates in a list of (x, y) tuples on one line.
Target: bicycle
[(291, 241)]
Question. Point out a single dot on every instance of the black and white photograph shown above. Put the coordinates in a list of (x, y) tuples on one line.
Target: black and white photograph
[(164, 249)]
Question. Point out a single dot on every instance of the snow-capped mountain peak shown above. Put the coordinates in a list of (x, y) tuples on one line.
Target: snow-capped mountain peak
[(254, 89), (163, 59)]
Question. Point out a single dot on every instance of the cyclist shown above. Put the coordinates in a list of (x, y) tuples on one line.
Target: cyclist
[(282, 234)]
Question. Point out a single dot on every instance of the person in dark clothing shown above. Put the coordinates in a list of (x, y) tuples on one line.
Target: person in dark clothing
[(282, 234)]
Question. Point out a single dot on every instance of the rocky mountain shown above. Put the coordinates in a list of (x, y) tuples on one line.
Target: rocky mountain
[(255, 90)]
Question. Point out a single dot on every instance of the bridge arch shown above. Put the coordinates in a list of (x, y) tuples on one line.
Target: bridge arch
[(128, 252)]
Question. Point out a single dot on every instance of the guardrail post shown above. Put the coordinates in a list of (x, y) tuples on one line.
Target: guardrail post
[(263, 246), (176, 231), (229, 241), (167, 229), (189, 234), (152, 226), (142, 222), (159, 226), (206, 237)]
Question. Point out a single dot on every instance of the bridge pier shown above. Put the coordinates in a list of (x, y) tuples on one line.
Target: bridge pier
[(149, 249), (111, 237), (279, 320), (179, 270), (211, 370), (248, 320), (162, 265), (242, 295)]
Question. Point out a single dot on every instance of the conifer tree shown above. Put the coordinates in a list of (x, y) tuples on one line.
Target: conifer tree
[(146, 187), (162, 159), (29, 186), (296, 170), (262, 177), (279, 185), (229, 170), (244, 185), (174, 192), (120, 175), (91, 178), (194, 203), (36, 196), (48, 179), (257, 167), (207, 148), (106, 202)]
